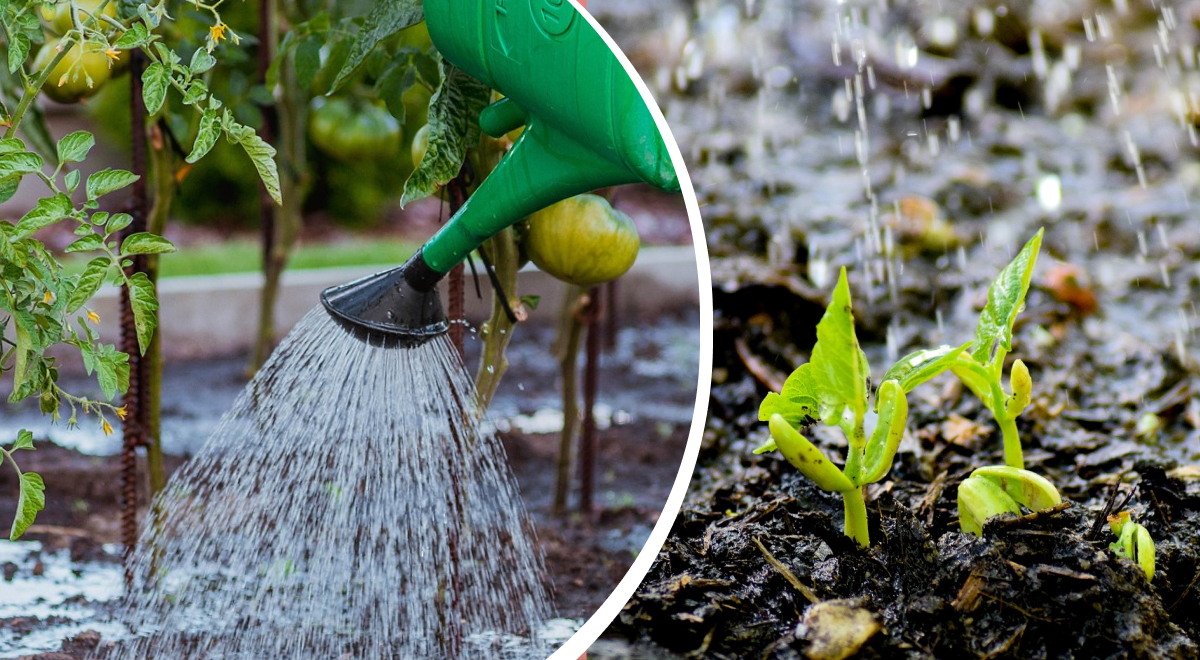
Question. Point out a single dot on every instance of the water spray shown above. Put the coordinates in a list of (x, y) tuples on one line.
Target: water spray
[(586, 127)]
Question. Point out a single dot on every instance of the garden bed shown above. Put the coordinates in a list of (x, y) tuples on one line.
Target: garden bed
[(771, 142), (646, 399)]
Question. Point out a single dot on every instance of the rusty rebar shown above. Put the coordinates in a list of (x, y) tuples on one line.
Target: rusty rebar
[(133, 431)]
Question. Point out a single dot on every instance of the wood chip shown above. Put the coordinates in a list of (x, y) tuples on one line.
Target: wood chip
[(787, 573)]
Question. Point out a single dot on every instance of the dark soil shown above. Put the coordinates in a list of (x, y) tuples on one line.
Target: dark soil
[(782, 186), (585, 555)]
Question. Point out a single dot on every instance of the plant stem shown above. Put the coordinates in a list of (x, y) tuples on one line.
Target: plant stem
[(569, 335), (1013, 456), (856, 516), (505, 255)]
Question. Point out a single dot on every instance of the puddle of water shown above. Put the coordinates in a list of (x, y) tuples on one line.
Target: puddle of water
[(68, 593)]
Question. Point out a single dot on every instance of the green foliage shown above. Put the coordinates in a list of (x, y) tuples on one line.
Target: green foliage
[(42, 304), (993, 490), (981, 367), (453, 129), (387, 18), (1133, 542), (832, 387)]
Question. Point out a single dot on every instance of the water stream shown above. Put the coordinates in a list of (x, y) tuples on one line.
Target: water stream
[(349, 505)]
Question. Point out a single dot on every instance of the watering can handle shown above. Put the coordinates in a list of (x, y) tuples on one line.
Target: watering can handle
[(543, 167)]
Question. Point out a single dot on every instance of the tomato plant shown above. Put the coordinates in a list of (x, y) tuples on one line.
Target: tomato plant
[(582, 240), (43, 306)]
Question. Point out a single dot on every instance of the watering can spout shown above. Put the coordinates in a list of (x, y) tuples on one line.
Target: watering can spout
[(396, 308), (586, 127)]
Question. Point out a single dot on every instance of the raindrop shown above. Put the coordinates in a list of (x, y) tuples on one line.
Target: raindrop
[(1049, 192)]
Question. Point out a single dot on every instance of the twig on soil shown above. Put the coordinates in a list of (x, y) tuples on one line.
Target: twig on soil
[(787, 573), (932, 493), (1195, 576), (762, 372), (1057, 508), (1025, 613), (1004, 648), (1102, 517)]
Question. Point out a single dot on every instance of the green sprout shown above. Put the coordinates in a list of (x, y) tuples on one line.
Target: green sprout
[(997, 489), (979, 364), (833, 387), (1133, 542)]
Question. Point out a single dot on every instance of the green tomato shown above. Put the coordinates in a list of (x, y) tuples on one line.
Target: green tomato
[(349, 130), (57, 15), (582, 240), (416, 36), (420, 145), (77, 76)]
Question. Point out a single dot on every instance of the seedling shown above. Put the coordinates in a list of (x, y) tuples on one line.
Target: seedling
[(1133, 542), (993, 490), (833, 387), (981, 367)]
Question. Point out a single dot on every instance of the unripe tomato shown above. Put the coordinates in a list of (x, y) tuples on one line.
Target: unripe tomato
[(350, 130), (58, 14), (416, 36), (68, 83), (582, 240), (420, 145)]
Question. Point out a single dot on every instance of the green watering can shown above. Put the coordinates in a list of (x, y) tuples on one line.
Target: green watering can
[(586, 127)]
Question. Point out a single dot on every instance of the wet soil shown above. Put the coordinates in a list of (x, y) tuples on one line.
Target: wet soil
[(585, 555), (645, 402), (922, 167)]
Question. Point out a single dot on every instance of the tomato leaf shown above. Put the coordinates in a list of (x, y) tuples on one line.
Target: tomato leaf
[(453, 129), (86, 243), (18, 50), (261, 154), (108, 180), (24, 440), (31, 500), (920, 366), (19, 164), (73, 148), (206, 137), (88, 284), (307, 61), (202, 61), (112, 369), (144, 304), (1006, 298), (145, 243), (135, 37), (48, 211), (387, 17), (156, 80)]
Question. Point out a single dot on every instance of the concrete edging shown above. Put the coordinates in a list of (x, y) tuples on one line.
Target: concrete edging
[(212, 316)]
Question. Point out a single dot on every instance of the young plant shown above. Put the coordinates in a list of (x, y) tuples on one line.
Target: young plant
[(833, 387), (1133, 542), (979, 364), (993, 490), (42, 305)]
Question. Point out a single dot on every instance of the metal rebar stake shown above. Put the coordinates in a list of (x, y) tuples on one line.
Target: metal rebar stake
[(133, 431)]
